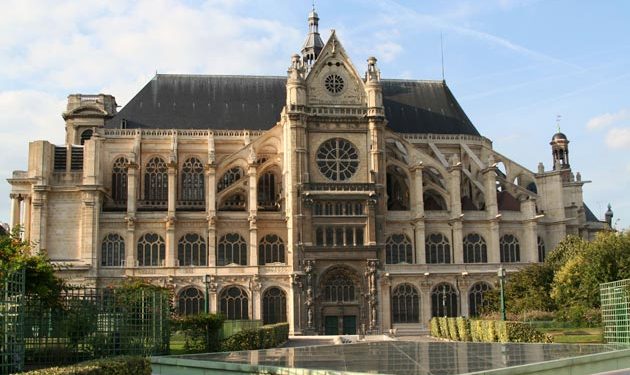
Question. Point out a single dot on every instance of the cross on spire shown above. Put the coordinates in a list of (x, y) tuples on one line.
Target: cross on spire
[(558, 119)]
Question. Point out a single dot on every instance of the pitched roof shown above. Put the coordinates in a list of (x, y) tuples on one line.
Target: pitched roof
[(172, 101)]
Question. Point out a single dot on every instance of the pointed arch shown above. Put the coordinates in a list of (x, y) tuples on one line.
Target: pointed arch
[(477, 298), (405, 302), (234, 303), (119, 180), (274, 306), (444, 300), (156, 180), (397, 182), (190, 301), (192, 181)]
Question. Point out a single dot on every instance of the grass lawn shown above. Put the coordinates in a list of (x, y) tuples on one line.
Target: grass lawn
[(575, 335)]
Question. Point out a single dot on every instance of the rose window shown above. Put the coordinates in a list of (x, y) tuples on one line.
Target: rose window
[(334, 83), (337, 159)]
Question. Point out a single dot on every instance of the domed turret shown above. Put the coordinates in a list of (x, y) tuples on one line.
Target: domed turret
[(313, 44), (560, 151)]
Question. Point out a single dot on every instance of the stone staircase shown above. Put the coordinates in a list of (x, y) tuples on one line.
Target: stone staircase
[(411, 330)]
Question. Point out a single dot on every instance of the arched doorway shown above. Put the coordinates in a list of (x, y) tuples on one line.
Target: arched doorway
[(340, 302)]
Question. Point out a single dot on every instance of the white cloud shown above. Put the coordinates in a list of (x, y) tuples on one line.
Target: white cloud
[(618, 138), (606, 119)]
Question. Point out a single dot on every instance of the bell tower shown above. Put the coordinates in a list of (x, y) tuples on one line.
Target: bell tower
[(560, 151), (313, 44)]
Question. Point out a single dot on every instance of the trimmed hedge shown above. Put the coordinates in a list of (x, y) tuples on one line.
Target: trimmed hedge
[(201, 331), (269, 336), (464, 329), (124, 365)]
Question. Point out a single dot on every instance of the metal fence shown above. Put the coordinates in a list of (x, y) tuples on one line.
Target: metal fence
[(11, 319), (96, 323), (232, 327), (615, 301)]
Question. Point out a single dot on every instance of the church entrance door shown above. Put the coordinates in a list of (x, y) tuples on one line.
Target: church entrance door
[(331, 325), (350, 325)]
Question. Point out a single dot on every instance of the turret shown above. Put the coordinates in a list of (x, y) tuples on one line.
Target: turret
[(86, 113), (560, 151), (609, 216), (313, 44)]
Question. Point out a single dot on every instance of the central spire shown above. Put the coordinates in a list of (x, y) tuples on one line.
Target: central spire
[(313, 44)]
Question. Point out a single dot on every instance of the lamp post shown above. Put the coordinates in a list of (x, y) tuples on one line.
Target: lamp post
[(501, 273), (206, 305)]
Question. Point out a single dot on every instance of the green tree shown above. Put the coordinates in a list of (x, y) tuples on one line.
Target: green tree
[(40, 279)]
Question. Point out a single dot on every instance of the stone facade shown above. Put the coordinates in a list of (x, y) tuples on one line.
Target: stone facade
[(329, 218)]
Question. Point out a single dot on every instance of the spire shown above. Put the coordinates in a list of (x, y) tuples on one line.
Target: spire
[(560, 148), (313, 44)]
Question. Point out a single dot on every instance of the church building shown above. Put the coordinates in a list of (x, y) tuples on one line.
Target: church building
[(329, 197)]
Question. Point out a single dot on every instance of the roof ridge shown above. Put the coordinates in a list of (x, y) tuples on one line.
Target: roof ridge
[(217, 75)]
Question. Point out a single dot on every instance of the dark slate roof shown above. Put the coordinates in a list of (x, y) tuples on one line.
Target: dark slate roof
[(590, 216), (254, 103)]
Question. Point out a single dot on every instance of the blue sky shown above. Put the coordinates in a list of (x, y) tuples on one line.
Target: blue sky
[(513, 65)]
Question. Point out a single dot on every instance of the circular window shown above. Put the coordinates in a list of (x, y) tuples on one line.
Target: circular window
[(334, 83), (337, 159)]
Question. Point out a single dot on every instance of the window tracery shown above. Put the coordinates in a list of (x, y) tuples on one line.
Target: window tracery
[(232, 249), (438, 249), (151, 250), (274, 306), (475, 249), (398, 249), (542, 251), (191, 301), (510, 249), (271, 250), (339, 288), (267, 196), (156, 180), (476, 298), (192, 181), (119, 181), (230, 177), (405, 304), (397, 189), (191, 250), (113, 251), (337, 159), (234, 303), (444, 300)]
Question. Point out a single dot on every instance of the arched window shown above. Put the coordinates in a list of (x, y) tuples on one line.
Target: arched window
[(438, 249), (510, 249), (443, 300), (405, 304), (232, 249), (433, 201), (230, 177), (339, 288), (113, 251), (191, 250), (271, 250), (542, 252), (156, 180), (119, 181), (235, 202), (151, 250), (86, 135), (267, 196), (192, 181), (274, 306), (475, 249), (476, 298), (397, 189), (234, 303), (190, 302), (398, 249)]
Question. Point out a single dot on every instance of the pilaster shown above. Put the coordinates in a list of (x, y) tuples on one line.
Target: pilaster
[(16, 202), (492, 210), (419, 234), (253, 211)]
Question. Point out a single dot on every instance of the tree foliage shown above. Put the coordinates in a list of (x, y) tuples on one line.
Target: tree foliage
[(40, 279)]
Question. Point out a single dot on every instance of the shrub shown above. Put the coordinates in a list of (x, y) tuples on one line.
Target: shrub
[(488, 331), (443, 327), (476, 329), (453, 334), (463, 328), (537, 315), (110, 366), (435, 327), (201, 331), (520, 332), (265, 337)]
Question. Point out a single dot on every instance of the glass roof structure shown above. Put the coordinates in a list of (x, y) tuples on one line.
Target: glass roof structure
[(389, 357)]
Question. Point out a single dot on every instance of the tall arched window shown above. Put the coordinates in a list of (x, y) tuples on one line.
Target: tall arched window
[(438, 249), (475, 249), (271, 250), (156, 180), (476, 298), (339, 288), (232, 248), (405, 304), (510, 249), (119, 181), (192, 181), (191, 301), (542, 251), (234, 303), (267, 196), (398, 249), (397, 189), (113, 251), (86, 135), (191, 250), (151, 250), (230, 177), (274, 306), (444, 300)]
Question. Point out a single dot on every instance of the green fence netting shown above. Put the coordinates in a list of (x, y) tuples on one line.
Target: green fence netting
[(11, 318), (96, 323), (232, 327), (615, 301)]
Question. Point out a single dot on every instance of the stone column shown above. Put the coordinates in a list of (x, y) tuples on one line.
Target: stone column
[(425, 302), (40, 214), (294, 299), (458, 243), (370, 235), (171, 241), (130, 242), (16, 202), (417, 201), (492, 210), (463, 286), (172, 188), (255, 286), (212, 295), (27, 219), (386, 318), (211, 210), (132, 171), (253, 210), (456, 210), (88, 227), (529, 248), (419, 234)]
